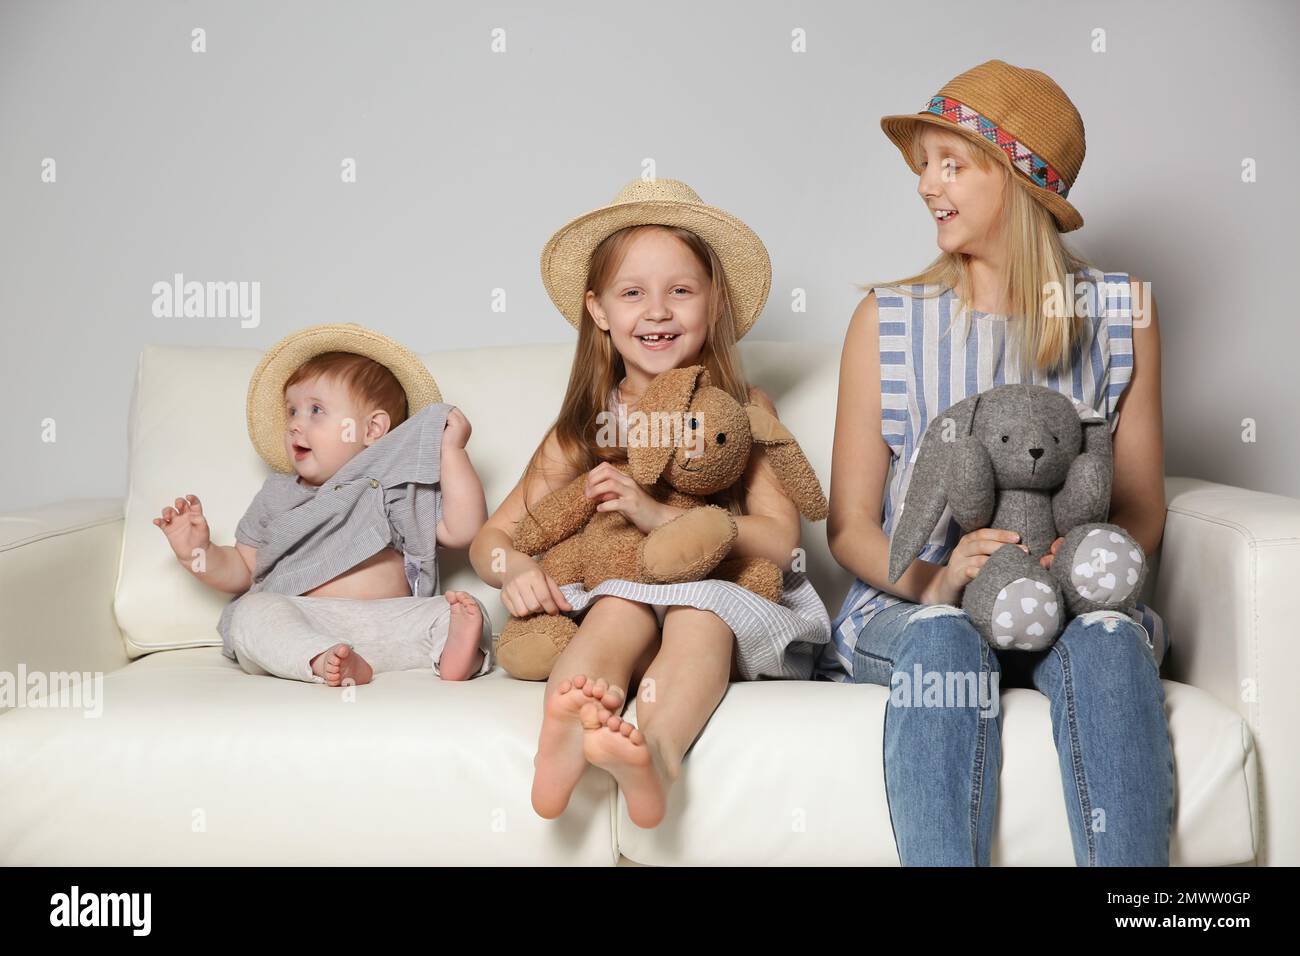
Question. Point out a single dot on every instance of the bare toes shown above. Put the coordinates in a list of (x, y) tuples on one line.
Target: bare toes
[(613, 698), (592, 716)]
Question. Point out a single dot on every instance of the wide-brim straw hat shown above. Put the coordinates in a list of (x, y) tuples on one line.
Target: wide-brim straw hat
[(566, 257), (1019, 115), (266, 416)]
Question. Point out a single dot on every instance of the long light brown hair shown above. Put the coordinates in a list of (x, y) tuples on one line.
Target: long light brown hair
[(598, 368), (1037, 260)]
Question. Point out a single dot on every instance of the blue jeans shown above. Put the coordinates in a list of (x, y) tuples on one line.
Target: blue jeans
[(943, 747)]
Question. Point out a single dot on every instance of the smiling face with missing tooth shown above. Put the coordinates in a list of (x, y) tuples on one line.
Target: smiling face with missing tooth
[(655, 308)]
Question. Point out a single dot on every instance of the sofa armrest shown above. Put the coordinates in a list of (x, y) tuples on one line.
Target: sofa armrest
[(58, 571), (1230, 564)]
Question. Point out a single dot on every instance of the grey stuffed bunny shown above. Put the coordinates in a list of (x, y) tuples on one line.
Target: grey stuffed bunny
[(1026, 458)]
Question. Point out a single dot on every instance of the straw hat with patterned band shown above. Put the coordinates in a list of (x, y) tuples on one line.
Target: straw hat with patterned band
[(1019, 115), (668, 202), (266, 420)]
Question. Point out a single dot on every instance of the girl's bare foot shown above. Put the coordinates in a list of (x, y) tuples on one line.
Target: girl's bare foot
[(340, 664), (613, 744), (560, 763), (461, 655)]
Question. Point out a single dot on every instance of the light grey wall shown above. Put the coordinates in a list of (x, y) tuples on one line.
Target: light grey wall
[(225, 165)]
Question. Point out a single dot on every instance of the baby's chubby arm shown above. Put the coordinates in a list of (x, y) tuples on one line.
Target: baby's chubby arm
[(464, 506), (226, 568)]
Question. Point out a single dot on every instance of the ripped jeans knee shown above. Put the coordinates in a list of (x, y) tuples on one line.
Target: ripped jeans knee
[(929, 611), (1111, 621)]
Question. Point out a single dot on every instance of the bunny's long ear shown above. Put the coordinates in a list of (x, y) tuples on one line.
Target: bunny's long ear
[(670, 392), (788, 461), (926, 496)]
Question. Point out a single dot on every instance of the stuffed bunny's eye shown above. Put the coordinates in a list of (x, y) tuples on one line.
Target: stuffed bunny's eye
[(721, 438)]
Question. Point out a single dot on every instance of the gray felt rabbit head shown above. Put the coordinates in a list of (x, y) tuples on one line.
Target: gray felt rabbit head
[(1029, 436)]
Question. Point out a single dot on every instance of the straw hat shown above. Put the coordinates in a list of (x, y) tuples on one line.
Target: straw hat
[(668, 202), (266, 420), (1019, 115)]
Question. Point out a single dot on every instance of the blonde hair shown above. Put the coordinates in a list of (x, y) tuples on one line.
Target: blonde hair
[(370, 384), (1038, 260), (598, 368)]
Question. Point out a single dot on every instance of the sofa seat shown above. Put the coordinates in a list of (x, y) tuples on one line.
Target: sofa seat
[(193, 761)]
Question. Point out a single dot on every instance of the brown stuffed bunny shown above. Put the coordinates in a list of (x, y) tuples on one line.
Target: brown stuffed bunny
[(711, 455)]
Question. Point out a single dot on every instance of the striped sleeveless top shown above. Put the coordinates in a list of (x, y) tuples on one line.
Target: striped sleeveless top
[(927, 364)]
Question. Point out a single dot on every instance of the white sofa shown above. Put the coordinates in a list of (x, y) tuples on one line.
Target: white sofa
[(192, 761)]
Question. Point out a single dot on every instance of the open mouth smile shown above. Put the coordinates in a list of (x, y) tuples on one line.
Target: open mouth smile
[(658, 340)]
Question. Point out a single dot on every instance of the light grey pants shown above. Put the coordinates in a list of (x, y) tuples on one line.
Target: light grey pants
[(280, 635)]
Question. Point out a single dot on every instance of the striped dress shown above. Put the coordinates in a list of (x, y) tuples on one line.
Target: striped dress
[(927, 364), (783, 640)]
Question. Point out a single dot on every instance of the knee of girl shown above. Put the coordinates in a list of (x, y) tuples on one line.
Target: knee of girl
[(931, 611), (1114, 622), (1109, 620), (941, 640), (1109, 645)]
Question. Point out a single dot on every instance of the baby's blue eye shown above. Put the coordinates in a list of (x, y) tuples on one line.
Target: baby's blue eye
[(316, 407)]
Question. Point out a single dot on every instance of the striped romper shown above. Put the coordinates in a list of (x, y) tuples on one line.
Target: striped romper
[(927, 365)]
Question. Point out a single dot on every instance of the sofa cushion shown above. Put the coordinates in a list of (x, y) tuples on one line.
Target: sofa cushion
[(192, 761), (807, 787), (195, 762)]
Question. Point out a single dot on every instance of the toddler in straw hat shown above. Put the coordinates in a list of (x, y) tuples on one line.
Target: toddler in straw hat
[(657, 280), (335, 559)]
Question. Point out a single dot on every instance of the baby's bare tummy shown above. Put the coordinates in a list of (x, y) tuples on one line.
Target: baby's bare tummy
[(382, 575)]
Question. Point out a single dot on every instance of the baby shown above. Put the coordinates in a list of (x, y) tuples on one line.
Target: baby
[(361, 492)]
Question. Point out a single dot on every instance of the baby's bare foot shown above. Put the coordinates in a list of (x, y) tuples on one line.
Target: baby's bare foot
[(613, 744), (461, 655), (340, 664), (559, 763)]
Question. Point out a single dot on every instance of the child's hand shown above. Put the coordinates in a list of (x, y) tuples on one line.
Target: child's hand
[(1046, 560), (616, 491), (456, 432), (967, 557), (185, 527), (527, 589)]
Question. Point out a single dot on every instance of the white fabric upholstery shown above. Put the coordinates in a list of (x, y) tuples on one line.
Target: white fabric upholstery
[(194, 761)]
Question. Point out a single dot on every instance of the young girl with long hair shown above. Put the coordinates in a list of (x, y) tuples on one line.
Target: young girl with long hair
[(655, 281), (1006, 301)]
